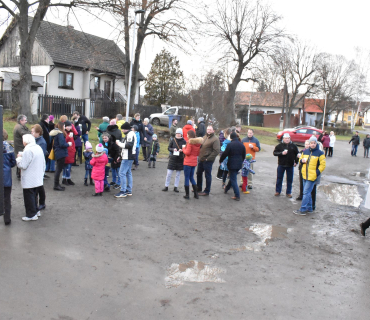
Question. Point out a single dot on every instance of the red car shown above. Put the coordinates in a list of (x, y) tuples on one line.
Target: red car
[(299, 134)]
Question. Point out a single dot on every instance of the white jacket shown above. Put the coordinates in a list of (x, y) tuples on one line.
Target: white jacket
[(128, 146), (332, 140), (32, 164)]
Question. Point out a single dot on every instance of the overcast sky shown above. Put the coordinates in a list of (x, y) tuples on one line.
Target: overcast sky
[(332, 26)]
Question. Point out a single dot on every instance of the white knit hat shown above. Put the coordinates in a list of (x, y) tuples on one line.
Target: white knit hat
[(179, 130), (99, 148)]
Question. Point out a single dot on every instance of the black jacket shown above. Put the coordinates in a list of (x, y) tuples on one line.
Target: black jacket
[(235, 151), (290, 158), (86, 124), (201, 129), (355, 140), (115, 132), (140, 128), (366, 143), (114, 152), (176, 162), (45, 133)]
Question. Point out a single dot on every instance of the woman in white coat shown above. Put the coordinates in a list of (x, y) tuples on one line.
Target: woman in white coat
[(32, 163), (332, 143)]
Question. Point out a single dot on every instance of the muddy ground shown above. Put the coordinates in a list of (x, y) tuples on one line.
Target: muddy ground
[(157, 256)]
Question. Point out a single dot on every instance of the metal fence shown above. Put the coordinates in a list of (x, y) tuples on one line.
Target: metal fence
[(106, 108), (58, 106)]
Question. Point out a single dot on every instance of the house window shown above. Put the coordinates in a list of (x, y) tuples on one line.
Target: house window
[(97, 83), (65, 80), (270, 112)]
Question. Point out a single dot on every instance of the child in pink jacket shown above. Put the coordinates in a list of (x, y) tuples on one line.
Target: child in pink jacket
[(98, 162)]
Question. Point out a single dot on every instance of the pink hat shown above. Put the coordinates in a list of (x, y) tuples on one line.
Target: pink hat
[(88, 145), (51, 117), (113, 122)]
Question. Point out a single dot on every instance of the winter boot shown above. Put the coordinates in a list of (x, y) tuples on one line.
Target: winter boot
[(80, 160), (149, 164), (153, 164), (64, 181), (85, 182), (58, 187), (186, 196), (107, 188), (91, 182), (195, 190), (165, 189), (175, 189), (96, 194), (70, 182)]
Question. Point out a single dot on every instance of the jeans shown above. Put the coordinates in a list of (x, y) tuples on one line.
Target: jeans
[(106, 176), (85, 138), (29, 197), (233, 182), (354, 149), (189, 175), (87, 174), (366, 152), (136, 161), (307, 198), (115, 176), (7, 204), (126, 175), (331, 151), (169, 175), (224, 176), (78, 152), (280, 178), (67, 171), (50, 165), (326, 151), (59, 169), (206, 167)]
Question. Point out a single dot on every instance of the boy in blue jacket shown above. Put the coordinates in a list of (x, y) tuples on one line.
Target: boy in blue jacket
[(9, 163), (137, 135)]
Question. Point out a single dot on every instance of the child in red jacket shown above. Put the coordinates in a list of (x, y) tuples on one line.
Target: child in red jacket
[(98, 162)]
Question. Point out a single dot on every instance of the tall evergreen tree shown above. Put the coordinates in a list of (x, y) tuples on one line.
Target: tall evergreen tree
[(165, 80)]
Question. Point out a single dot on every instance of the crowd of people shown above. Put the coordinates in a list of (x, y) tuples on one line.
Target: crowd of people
[(56, 147)]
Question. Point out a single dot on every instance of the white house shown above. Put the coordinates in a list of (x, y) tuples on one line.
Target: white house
[(68, 63)]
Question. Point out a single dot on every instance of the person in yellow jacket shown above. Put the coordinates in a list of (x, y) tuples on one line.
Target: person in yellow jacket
[(313, 164)]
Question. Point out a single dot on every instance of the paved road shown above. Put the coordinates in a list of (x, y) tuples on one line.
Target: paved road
[(140, 257)]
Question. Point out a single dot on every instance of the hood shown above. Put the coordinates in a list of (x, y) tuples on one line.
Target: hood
[(316, 148), (188, 127), (196, 140), (7, 147), (112, 127), (54, 132)]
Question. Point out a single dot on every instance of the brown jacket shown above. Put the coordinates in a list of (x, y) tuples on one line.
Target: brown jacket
[(210, 148), (18, 132)]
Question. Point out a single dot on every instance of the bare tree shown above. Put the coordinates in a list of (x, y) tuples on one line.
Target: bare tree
[(19, 11), (246, 29), (166, 19)]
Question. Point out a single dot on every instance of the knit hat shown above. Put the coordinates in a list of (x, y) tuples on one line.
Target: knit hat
[(99, 148), (233, 135), (126, 126), (286, 135), (105, 119), (179, 130), (68, 123), (51, 117), (88, 145), (249, 156), (313, 138), (154, 136), (135, 127), (189, 122), (201, 119), (113, 122)]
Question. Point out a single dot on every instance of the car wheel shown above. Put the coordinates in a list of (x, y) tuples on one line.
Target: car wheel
[(156, 122)]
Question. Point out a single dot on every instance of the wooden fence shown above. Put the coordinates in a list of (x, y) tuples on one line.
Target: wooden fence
[(58, 106)]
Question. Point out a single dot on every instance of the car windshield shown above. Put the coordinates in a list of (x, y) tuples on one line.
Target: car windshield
[(170, 111)]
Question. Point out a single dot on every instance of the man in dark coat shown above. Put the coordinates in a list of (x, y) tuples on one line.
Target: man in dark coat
[(355, 143), (44, 123), (85, 124), (235, 152), (286, 152), (19, 131), (201, 128)]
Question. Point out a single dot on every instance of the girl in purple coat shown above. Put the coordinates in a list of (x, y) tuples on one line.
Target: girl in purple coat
[(78, 143)]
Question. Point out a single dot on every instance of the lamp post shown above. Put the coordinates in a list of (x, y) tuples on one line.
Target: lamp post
[(132, 58), (323, 119)]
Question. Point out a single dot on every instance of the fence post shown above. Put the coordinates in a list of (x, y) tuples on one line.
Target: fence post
[(87, 108)]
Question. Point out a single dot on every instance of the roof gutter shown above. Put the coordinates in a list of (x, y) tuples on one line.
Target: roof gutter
[(46, 80)]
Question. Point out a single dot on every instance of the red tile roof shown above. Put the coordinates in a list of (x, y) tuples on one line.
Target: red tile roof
[(314, 105), (262, 99)]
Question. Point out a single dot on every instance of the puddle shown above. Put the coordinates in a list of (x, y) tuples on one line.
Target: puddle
[(192, 271), (360, 174), (266, 234), (343, 194), (341, 180)]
